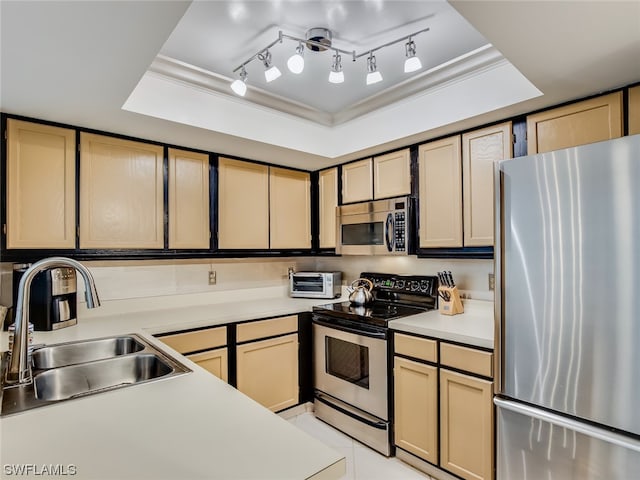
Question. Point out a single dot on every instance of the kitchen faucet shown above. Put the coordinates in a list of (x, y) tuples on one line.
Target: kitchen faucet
[(19, 368)]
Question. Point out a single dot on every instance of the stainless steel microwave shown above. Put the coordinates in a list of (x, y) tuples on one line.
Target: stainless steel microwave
[(315, 284), (380, 227)]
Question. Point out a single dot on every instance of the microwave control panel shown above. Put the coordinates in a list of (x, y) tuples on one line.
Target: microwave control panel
[(400, 231)]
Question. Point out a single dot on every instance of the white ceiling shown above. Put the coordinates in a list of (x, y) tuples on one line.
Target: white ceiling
[(160, 69)]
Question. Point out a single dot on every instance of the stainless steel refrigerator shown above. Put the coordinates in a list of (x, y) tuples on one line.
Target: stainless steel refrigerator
[(568, 314)]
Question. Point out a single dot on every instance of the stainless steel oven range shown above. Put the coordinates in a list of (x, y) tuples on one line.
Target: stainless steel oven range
[(352, 357)]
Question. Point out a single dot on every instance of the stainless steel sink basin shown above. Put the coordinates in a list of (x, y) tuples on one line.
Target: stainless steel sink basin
[(84, 351), (72, 370), (88, 378)]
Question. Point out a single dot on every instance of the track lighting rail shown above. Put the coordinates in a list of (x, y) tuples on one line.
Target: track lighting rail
[(296, 62)]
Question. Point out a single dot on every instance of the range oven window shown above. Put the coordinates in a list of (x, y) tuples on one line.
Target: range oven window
[(363, 234), (348, 361)]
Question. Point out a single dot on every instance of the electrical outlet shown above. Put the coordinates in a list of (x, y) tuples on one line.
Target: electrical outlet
[(212, 277), (492, 281)]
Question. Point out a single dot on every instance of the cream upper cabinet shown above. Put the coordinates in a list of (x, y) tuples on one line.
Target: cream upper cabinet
[(416, 408), (480, 150), (40, 188), (243, 204), (440, 187), (392, 174), (121, 193), (634, 110), (588, 121), (466, 425), (290, 208), (188, 199), (328, 189), (357, 181)]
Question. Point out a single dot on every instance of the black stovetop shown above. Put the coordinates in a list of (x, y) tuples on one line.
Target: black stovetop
[(395, 296)]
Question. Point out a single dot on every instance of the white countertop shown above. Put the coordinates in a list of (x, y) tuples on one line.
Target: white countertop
[(473, 327), (193, 425)]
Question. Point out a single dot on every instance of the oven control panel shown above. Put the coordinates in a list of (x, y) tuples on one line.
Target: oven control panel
[(411, 284)]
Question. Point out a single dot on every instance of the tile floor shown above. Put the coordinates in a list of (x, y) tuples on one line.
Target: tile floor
[(363, 463)]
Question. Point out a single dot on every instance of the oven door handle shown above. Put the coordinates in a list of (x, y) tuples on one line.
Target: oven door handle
[(355, 331)]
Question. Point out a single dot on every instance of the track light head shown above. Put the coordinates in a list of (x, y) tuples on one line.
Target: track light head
[(336, 75), (271, 72), (239, 86), (373, 75), (296, 61), (412, 63)]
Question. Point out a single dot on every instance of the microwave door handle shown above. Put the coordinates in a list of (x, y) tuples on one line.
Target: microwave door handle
[(389, 232)]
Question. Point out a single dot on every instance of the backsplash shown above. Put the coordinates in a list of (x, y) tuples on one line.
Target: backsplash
[(471, 276), (118, 280)]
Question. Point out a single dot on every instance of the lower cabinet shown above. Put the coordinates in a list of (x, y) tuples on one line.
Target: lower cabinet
[(268, 371), (267, 364), (416, 407), (214, 361), (466, 425), (444, 405), (207, 347), (265, 356)]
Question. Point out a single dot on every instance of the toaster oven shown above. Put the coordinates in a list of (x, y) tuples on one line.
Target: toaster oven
[(315, 284)]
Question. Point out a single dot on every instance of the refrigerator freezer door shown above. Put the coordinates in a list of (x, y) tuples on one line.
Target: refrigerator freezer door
[(569, 269), (535, 444)]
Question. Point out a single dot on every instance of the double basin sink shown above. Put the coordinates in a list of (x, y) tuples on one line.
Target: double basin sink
[(76, 369)]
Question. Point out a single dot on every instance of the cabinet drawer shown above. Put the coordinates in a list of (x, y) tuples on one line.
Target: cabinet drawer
[(467, 359), (416, 347), (204, 339), (266, 328)]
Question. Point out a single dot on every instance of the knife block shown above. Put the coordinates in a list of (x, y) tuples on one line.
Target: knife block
[(454, 305)]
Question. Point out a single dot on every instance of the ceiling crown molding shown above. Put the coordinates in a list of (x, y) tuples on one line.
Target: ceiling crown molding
[(462, 66)]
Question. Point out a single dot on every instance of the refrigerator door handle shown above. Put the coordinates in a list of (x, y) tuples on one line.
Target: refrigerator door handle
[(570, 424), (498, 366)]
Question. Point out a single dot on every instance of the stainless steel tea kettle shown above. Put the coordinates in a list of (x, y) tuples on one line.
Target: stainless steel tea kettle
[(360, 291)]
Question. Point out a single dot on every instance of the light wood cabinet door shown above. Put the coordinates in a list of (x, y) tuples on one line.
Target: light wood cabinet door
[(416, 408), (328, 188), (357, 181), (188, 199), (466, 425), (41, 178), (267, 371), (290, 208), (588, 121), (392, 174), (243, 204), (214, 361), (440, 186), (121, 193), (480, 150), (634, 110)]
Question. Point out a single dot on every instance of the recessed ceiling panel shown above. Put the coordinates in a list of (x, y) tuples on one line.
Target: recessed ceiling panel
[(221, 35)]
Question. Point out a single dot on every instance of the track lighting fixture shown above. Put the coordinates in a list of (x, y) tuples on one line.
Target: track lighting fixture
[(412, 63), (319, 40), (296, 61), (239, 86), (271, 72), (374, 76), (336, 75)]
